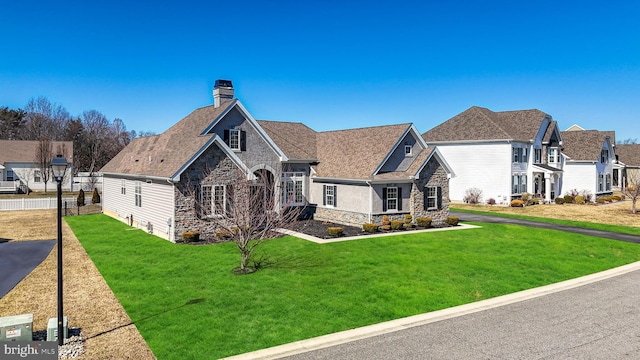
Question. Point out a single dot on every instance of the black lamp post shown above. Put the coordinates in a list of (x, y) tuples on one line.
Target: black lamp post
[(59, 167)]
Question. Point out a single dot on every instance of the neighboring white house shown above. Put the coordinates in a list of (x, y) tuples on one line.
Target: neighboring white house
[(350, 177), (589, 162), (19, 169), (503, 154)]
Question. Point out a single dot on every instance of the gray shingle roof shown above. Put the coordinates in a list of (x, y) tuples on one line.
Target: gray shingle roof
[(629, 154), (25, 150), (296, 140), (477, 123), (163, 155), (583, 144), (356, 153)]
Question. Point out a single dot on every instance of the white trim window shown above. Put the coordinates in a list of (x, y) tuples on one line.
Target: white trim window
[(37, 175), (138, 193), (604, 156), (10, 175), (519, 184), (329, 193), (600, 182), (553, 156), (408, 150), (432, 197), (123, 186), (608, 182), (213, 199), (293, 188), (392, 198), (519, 154), (234, 139), (537, 156)]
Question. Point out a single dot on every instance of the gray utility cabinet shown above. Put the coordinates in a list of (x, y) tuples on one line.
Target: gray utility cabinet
[(16, 328)]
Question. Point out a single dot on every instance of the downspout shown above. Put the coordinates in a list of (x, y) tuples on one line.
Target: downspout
[(171, 221), (370, 199)]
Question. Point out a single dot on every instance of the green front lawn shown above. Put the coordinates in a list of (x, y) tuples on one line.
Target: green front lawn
[(187, 304), (581, 224)]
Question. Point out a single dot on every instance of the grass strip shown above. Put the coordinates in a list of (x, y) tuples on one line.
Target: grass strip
[(581, 224), (187, 304)]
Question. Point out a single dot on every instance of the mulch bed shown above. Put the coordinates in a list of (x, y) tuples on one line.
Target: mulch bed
[(319, 229)]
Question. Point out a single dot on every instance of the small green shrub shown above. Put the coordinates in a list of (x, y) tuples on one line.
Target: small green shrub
[(223, 234), (190, 236), (424, 222), (559, 200), (370, 228), (452, 220), (408, 219), (334, 231), (95, 198), (80, 199), (517, 203), (535, 201), (397, 224), (579, 199), (568, 199)]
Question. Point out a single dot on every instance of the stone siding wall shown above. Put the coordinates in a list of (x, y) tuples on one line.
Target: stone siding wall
[(433, 174), (343, 217), (212, 168)]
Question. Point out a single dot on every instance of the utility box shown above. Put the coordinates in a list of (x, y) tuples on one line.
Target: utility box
[(16, 328), (52, 329)]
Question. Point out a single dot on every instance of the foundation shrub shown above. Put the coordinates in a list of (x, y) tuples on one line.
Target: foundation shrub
[(370, 228), (334, 231), (386, 223), (579, 199), (452, 220), (559, 200), (568, 199), (397, 224), (517, 203), (424, 222), (223, 234), (491, 201), (190, 236), (616, 198)]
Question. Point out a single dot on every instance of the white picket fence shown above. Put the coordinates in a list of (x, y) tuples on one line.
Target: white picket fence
[(39, 203)]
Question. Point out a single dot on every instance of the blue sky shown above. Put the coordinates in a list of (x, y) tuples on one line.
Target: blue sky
[(329, 64)]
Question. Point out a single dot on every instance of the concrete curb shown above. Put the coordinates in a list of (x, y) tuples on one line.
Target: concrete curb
[(363, 237), (423, 319)]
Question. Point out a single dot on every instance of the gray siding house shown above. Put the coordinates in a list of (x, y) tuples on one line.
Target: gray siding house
[(349, 177)]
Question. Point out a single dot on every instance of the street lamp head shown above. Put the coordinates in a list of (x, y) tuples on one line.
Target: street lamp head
[(59, 167)]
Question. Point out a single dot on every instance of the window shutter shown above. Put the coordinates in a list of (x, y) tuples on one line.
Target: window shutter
[(439, 194), (226, 136), (324, 194), (425, 198), (243, 140), (384, 199), (399, 198), (335, 196), (228, 198)]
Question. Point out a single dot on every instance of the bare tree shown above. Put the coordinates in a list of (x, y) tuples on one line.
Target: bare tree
[(25, 175), (44, 152), (247, 210), (631, 187), (43, 118)]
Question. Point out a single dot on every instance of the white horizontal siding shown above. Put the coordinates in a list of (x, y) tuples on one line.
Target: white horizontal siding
[(483, 166), (157, 204), (579, 176)]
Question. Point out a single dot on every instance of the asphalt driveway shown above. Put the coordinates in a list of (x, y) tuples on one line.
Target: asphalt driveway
[(18, 259)]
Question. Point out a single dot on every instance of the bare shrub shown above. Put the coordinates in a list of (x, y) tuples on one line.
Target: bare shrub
[(473, 196)]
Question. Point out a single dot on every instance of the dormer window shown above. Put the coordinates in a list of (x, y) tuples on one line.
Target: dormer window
[(604, 156), (554, 156), (408, 150)]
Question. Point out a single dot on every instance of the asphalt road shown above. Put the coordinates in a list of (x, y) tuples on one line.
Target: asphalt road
[(18, 259)]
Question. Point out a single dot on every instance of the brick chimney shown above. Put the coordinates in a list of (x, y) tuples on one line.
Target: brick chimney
[(222, 91)]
